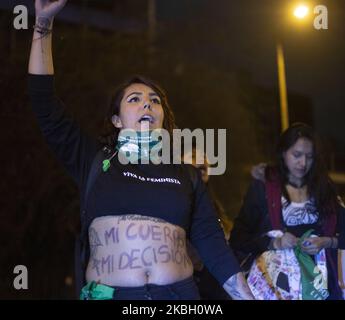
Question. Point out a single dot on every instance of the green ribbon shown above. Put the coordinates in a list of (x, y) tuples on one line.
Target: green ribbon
[(95, 291), (106, 165), (311, 276)]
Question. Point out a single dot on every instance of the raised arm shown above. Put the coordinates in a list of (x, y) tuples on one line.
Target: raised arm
[(41, 58), (74, 148)]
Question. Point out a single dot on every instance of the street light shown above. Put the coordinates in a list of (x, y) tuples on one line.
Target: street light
[(300, 12)]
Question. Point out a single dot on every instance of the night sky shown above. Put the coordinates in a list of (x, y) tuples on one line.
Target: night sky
[(315, 59), (244, 37)]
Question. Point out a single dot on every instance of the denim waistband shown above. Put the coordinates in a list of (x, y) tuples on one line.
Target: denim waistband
[(176, 285), (150, 291)]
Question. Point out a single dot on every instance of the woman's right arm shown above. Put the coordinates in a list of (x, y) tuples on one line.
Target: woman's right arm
[(208, 239), (41, 59), (72, 147)]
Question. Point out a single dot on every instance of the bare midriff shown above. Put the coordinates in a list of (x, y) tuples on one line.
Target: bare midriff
[(134, 250)]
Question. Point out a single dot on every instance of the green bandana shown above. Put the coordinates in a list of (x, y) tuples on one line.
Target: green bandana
[(313, 283), (138, 145)]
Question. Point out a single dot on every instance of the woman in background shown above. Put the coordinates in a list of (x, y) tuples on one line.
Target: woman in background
[(294, 195)]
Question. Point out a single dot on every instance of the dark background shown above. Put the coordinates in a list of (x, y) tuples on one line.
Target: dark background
[(216, 60)]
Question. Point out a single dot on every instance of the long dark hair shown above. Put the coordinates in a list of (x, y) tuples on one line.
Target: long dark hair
[(318, 183), (109, 132)]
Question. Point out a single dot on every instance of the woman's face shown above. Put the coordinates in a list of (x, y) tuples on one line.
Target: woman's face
[(299, 158), (140, 108)]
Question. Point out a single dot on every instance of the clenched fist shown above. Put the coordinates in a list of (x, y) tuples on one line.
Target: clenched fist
[(48, 9)]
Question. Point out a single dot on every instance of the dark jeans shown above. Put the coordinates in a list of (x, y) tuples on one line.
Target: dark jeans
[(182, 290)]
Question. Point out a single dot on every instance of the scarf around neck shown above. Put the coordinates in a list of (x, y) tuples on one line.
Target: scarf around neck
[(139, 146)]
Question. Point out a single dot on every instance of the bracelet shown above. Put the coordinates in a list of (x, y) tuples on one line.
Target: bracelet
[(42, 26), (41, 30)]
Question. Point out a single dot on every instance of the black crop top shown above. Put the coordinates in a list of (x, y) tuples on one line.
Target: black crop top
[(163, 191)]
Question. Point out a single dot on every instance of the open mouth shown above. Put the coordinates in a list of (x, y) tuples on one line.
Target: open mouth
[(146, 117), (301, 171)]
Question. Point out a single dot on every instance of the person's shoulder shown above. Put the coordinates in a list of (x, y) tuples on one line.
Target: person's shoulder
[(257, 189), (257, 183), (258, 171)]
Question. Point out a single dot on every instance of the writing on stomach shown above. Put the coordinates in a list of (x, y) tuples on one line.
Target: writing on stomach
[(133, 250)]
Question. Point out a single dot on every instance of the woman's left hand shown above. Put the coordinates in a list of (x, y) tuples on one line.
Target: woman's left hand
[(313, 245)]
